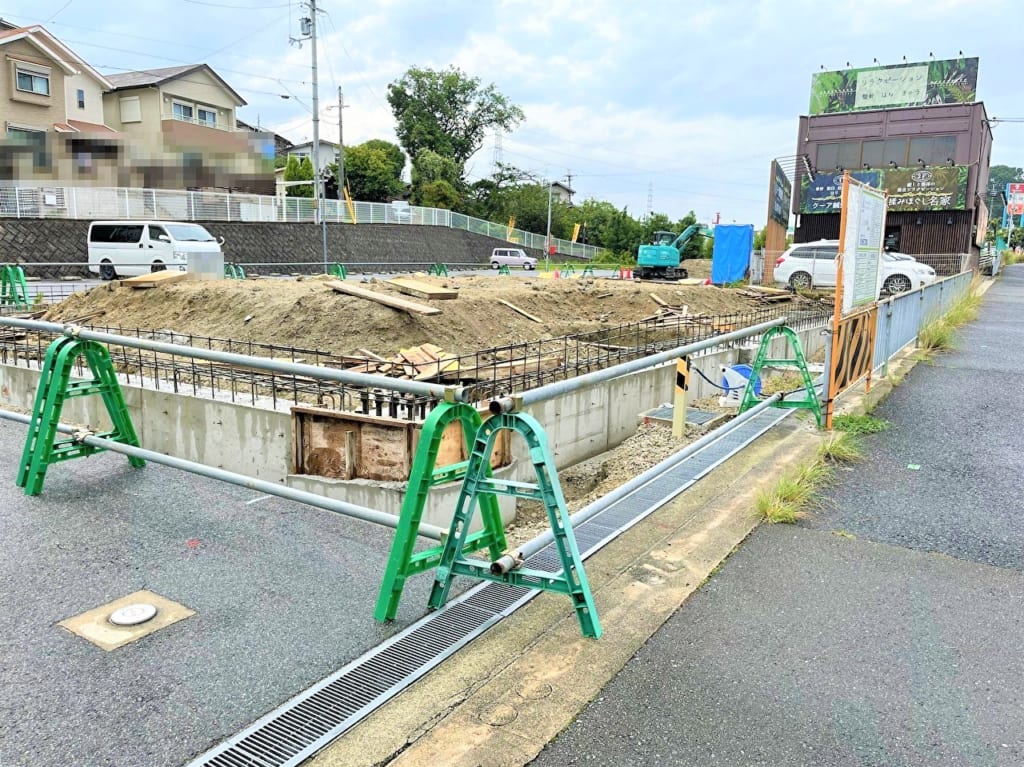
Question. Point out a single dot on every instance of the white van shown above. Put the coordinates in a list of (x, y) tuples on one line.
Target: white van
[(130, 248)]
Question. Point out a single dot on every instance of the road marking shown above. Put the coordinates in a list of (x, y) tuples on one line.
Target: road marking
[(260, 498)]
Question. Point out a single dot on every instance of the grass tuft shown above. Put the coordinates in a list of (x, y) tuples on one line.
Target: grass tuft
[(844, 448), (795, 492), (859, 424), (939, 334)]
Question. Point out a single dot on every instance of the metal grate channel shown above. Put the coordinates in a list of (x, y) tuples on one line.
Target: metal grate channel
[(306, 723), (693, 415)]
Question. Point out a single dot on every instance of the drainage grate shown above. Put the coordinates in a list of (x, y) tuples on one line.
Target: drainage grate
[(300, 727), (693, 415)]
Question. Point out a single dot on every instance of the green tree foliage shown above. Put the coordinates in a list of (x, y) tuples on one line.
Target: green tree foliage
[(611, 228), (447, 112), (374, 171), (438, 194), (430, 168), (760, 238), (299, 171)]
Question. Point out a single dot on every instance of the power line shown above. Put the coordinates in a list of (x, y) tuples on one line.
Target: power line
[(237, 7), (59, 11)]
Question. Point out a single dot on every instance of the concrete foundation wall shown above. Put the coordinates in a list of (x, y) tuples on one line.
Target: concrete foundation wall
[(259, 443), (238, 438)]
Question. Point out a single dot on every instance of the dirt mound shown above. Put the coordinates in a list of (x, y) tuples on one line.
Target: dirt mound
[(307, 314)]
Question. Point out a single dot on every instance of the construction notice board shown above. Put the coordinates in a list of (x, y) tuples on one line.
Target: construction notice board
[(858, 282), (863, 234)]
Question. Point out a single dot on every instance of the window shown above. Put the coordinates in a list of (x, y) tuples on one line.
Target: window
[(80, 95), (895, 152), (131, 110), (182, 111), (156, 231), (35, 81), (31, 138), (207, 117), (116, 233), (933, 150)]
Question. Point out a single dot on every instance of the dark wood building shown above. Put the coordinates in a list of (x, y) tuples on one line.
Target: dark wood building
[(891, 146)]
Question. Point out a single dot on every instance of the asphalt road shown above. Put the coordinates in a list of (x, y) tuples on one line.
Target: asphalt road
[(886, 631), (283, 596)]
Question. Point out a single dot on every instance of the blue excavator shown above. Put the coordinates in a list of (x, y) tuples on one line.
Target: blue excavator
[(660, 259)]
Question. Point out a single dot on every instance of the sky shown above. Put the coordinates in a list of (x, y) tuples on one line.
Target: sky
[(682, 105)]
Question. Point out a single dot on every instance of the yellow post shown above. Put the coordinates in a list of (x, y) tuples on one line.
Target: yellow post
[(682, 395), (575, 232), (351, 207)]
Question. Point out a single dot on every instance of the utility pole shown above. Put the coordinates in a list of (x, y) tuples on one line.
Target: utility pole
[(341, 145), (547, 240), (309, 30)]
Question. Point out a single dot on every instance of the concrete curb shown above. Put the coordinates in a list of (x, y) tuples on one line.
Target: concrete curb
[(503, 698)]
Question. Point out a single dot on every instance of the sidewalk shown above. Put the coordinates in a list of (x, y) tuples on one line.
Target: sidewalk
[(886, 631)]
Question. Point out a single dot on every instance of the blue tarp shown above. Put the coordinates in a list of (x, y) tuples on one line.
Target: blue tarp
[(733, 245)]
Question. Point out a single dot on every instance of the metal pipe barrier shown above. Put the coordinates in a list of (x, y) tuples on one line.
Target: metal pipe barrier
[(259, 485), (528, 549), (558, 388), (243, 360)]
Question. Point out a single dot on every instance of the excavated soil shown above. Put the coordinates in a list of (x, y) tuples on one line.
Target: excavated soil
[(306, 313)]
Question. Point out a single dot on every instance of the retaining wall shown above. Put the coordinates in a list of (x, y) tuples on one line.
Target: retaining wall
[(64, 240)]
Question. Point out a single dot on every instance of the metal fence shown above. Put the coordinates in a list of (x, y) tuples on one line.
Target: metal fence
[(94, 203), (901, 317)]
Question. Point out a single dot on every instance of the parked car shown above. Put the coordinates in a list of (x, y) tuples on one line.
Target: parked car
[(512, 257), (131, 248), (813, 265), (399, 212)]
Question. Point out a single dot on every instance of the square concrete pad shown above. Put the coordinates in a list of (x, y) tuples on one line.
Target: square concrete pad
[(94, 626)]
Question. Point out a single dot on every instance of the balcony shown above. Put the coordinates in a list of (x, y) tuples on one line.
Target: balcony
[(205, 123)]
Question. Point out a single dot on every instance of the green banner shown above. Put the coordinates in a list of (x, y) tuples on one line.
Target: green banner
[(927, 188), (950, 81)]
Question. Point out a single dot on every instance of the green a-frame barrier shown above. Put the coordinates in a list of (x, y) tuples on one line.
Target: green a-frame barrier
[(425, 474), (479, 486), (13, 289), (809, 399), (42, 448)]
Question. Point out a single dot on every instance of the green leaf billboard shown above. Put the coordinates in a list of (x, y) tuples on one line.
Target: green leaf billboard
[(949, 81)]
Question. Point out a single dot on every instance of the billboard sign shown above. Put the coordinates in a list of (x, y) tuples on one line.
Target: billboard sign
[(1015, 199), (943, 188), (781, 195), (936, 188), (949, 81), (824, 193)]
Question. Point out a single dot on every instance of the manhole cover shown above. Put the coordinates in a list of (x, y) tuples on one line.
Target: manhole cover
[(133, 615)]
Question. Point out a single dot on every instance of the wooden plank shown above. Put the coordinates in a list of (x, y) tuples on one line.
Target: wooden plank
[(155, 279), (395, 303), (370, 355), (421, 289), (658, 299), (515, 308)]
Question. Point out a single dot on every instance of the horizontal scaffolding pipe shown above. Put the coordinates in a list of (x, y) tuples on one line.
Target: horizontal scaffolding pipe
[(528, 549), (242, 360), (259, 485), (549, 391)]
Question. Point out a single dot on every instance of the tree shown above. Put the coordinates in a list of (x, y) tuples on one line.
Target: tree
[(431, 168), (447, 112), (373, 170), (438, 194), (299, 171)]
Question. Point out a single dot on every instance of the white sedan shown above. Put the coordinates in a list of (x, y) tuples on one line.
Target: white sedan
[(813, 265)]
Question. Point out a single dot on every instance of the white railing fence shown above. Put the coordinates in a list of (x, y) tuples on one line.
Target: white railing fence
[(168, 204)]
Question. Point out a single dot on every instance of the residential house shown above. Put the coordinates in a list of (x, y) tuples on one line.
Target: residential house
[(52, 111), (327, 155), (281, 144), (183, 126), (562, 192)]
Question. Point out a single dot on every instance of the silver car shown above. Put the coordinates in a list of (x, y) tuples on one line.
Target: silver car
[(512, 257)]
